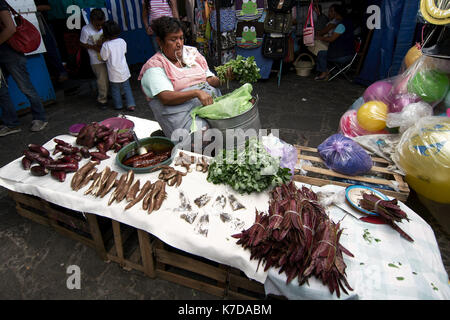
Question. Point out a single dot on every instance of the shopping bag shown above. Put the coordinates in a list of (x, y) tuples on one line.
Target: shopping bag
[(308, 29)]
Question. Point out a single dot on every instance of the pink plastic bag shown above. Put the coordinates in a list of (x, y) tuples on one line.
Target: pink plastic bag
[(308, 32)]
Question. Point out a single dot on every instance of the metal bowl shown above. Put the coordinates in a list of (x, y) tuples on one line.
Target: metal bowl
[(156, 144)]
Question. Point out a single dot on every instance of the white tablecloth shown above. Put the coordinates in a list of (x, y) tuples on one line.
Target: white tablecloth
[(165, 223), (387, 268)]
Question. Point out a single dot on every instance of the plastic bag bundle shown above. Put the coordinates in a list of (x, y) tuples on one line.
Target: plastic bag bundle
[(409, 116), (425, 83), (282, 150), (423, 154), (343, 155), (226, 106), (349, 126)]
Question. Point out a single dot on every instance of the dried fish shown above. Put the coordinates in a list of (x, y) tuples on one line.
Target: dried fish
[(202, 225), (185, 203), (220, 202), (202, 200), (234, 203), (189, 216), (225, 217)]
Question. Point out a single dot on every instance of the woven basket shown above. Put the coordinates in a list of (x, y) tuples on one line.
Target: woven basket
[(303, 68)]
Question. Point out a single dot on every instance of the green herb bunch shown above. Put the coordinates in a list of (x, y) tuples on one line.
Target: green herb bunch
[(249, 170), (244, 70)]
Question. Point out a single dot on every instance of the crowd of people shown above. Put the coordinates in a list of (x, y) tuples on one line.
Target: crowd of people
[(175, 79)]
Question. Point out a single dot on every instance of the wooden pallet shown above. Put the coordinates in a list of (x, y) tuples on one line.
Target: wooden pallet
[(188, 270), (131, 248), (79, 226), (319, 175), (241, 287)]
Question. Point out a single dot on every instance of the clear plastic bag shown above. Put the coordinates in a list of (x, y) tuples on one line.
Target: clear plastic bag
[(349, 126), (343, 155), (281, 150), (423, 154), (409, 116)]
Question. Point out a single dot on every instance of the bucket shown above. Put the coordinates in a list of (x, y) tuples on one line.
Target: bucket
[(245, 121), (303, 68)]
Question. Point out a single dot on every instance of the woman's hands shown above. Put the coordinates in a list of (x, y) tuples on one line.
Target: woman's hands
[(204, 97)]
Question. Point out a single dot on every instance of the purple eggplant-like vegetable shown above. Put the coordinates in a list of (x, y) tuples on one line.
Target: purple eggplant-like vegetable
[(67, 167), (99, 155), (59, 175), (34, 156), (38, 171), (39, 149), (26, 163)]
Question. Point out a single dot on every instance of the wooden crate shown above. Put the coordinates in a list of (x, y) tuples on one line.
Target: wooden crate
[(319, 175), (241, 287), (79, 226), (189, 270), (130, 247)]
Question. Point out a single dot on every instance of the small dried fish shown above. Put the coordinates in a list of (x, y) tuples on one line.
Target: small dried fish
[(234, 203), (225, 217), (202, 225), (220, 202), (202, 200), (185, 204), (189, 216)]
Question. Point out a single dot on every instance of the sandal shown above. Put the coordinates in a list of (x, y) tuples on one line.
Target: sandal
[(130, 108)]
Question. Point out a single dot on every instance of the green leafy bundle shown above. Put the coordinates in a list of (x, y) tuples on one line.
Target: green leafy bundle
[(251, 169), (244, 70)]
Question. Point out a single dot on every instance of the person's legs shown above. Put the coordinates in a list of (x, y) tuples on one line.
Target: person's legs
[(101, 73), (321, 65), (15, 64), (53, 54), (128, 95), (116, 96), (9, 115)]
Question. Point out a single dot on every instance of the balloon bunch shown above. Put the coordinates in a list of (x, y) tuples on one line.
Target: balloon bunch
[(423, 83)]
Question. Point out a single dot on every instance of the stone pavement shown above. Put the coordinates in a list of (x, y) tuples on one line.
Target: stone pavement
[(35, 258)]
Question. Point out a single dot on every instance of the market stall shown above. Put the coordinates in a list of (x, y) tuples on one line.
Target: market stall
[(384, 264)]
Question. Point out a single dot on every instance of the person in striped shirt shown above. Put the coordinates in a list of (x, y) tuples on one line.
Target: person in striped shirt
[(154, 9)]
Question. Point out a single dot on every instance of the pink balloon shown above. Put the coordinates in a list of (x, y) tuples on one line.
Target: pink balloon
[(401, 101), (379, 91), (349, 126)]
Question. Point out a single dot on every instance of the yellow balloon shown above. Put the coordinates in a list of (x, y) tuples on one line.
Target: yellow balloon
[(412, 55), (372, 115), (424, 155)]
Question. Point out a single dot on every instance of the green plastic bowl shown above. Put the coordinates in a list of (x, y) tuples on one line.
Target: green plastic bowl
[(157, 144)]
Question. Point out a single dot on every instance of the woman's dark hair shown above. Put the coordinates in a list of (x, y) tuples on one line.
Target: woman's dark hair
[(340, 10), (111, 29), (97, 15), (165, 25)]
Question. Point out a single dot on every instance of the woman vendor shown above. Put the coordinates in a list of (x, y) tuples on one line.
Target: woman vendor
[(176, 79), (341, 46)]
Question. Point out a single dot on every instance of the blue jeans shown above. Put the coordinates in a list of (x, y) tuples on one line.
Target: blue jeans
[(117, 97), (322, 60), (15, 64)]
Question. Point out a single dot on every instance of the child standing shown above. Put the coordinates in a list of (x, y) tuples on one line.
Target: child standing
[(90, 39), (113, 52)]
